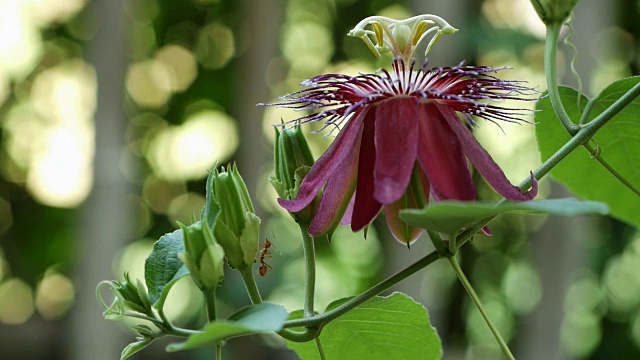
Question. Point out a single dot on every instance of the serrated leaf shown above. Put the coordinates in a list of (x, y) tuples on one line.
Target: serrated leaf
[(256, 319), (163, 268), (393, 327), (448, 216), (618, 141)]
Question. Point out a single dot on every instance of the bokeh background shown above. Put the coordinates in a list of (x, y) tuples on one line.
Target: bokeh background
[(111, 112)]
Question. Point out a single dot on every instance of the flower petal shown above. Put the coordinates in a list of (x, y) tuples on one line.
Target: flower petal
[(396, 139), (346, 218), (366, 207), (440, 156), (336, 195), (483, 162), (402, 232), (342, 147)]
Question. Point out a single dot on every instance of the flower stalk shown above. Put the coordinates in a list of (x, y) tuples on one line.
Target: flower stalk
[(467, 285)]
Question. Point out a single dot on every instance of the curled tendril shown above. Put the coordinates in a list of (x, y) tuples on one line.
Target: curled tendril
[(597, 149), (574, 59), (401, 37), (116, 310)]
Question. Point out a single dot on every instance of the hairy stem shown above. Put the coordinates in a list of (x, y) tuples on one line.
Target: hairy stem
[(467, 285), (323, 319), (310, 276)]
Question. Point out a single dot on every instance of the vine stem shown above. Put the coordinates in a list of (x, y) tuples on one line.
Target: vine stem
[(251, 286), (551, 43), (320, 350), (467, 285), (323, 319), (310, 276), (210, 301)]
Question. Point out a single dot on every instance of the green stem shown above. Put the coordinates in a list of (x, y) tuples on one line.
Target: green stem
[(251, 286), (553, 31), (308, 334), (438, 243), (218, 352), (453, 246), (310, 278), (320, 350), (595, 154), (476, 299), (584, 134), (176, 331), (323, 319), (210, 301)]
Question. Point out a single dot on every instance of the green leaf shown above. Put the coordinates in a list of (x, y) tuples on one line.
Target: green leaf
[(380, 327), (448, 217), (135, 347), (262, 318), (163, 268), (618, 141)]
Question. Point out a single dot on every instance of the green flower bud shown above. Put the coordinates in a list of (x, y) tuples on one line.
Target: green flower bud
[(293, 161), (128, 296), (229, 211), (554, 11), (203, 257)]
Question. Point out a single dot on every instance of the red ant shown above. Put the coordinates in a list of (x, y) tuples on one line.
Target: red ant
[(264, 253)]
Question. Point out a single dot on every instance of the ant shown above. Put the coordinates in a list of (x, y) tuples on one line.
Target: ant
[(264, 254)]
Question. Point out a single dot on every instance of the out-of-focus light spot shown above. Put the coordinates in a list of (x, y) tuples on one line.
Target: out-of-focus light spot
[(363, 258), (20, 43), (142, 217), (143, 40), (159, 193), (66, 93), (307, 46), (521, 287), (615, 50), (184, 301), (580, 333), (149, 83), (185, 207), (181, 65), (54, 295), (320, 12), (635, 329), (16, 301), (501, 317), (500, 15), (622, 282), (131, 259), (187, 151), (4, 88), (395, 11), (62, 174), (215, 46), (53, 11), (52, 136), (4, 266), (585, 292)]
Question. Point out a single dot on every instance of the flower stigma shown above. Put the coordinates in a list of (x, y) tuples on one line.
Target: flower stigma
[(401, 37)]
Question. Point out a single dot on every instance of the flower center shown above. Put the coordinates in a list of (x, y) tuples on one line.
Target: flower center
[(401, 37)]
